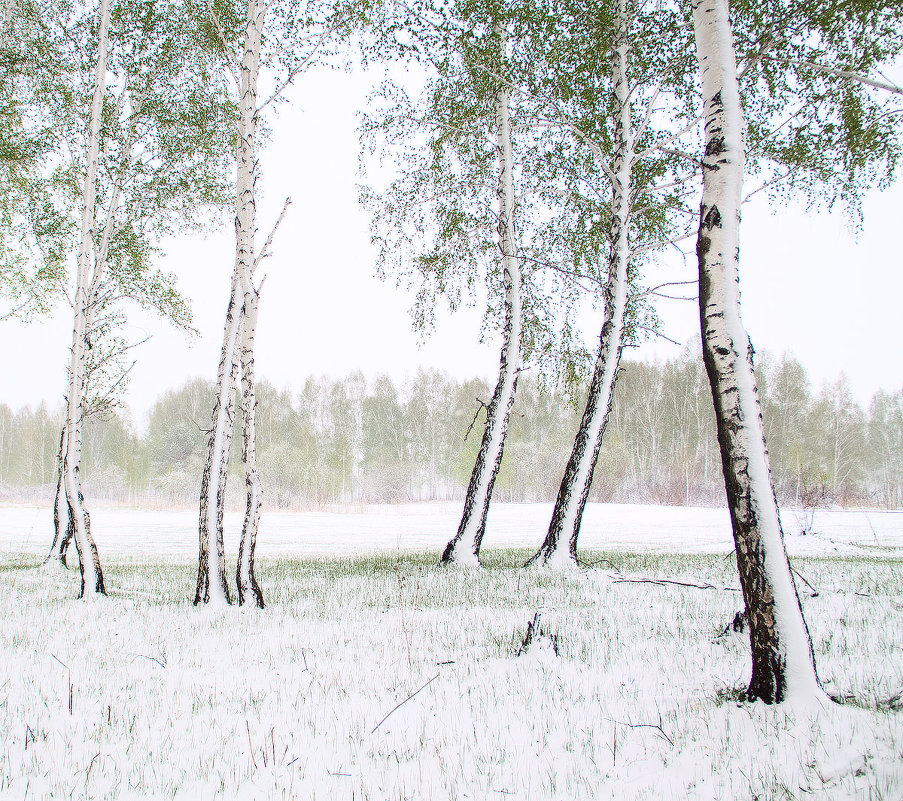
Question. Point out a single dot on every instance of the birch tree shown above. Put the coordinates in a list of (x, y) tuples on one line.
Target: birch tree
[(646, 63), (835, 138), (474, 194), (140, 149), (70, 447), (464, 547), (285, 37), (782, 655)]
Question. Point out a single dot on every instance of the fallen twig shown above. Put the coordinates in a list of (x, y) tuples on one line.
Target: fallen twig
[(802, 578), (602, 560), (662, 582), (161, 663), (535, 632), (656, 726), (402, 703)]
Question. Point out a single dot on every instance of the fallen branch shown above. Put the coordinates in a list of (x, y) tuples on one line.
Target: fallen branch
[(161, 663), (800, 576), (402, 703), (597, 562), (656, 726), (534, 632), (662, 582)]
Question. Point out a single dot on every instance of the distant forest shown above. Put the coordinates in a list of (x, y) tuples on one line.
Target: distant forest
[(358, 441)]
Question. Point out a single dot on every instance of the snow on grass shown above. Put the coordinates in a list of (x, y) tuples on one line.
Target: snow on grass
[(141, 695), (156, 535)]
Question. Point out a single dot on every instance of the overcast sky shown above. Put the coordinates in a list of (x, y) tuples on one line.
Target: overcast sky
[(809, 285)]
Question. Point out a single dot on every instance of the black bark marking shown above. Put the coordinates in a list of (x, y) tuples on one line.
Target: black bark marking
[(712, 219), (715, 146)]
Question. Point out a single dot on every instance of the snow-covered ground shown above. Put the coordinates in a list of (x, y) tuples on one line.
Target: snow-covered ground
[(384, 677), (665, 529)]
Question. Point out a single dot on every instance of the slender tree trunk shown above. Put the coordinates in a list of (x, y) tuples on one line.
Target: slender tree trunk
[(89, 561), (465, 546), (560, 546), (63, 528), (783, 664), (211, 584), (244, 574)]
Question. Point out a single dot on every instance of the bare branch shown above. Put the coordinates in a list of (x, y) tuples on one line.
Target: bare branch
[(656, 726), (476, 414), (300, 68), (664, 582), (681, 154), (840, 73), (14, 311), (266, 245), (673, 242), (650, 108), (659, 334), (655, 290), (661, 146), (776, 180)]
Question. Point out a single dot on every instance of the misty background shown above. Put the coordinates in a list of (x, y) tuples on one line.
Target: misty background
[(355, 440)]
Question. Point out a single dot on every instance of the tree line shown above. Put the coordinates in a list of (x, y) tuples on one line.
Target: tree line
[(347, 441)]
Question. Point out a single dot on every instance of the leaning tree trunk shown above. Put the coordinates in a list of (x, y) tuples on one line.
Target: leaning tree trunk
[(211, 584), (62, 522), (559, 550), (783, 663), (465, 546), (244, 574), (89, 561)]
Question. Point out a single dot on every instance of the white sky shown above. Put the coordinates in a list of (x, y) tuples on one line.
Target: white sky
[(809, 286)]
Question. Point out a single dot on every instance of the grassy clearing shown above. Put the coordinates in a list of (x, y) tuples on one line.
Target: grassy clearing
[(142, 696)]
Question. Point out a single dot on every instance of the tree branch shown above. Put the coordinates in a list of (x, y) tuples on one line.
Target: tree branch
[(231, 59), (266, 245), (840, 73)]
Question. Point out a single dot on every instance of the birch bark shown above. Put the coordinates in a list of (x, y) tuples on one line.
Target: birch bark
[(89, 561), (211, 582), (559, 550), (62, 522), (88, 301), (783, 663), (244, 574), (464, 548), (237, 346)]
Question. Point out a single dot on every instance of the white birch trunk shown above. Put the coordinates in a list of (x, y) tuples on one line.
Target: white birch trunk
[(559, 550), (464, 548), (246, 226), (62, 522), (244, 574), (85, 316), (783, 664), (91, 574), (211, 584)]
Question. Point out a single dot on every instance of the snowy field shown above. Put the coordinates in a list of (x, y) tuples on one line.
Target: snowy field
[(141, 696), (149, 535)]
